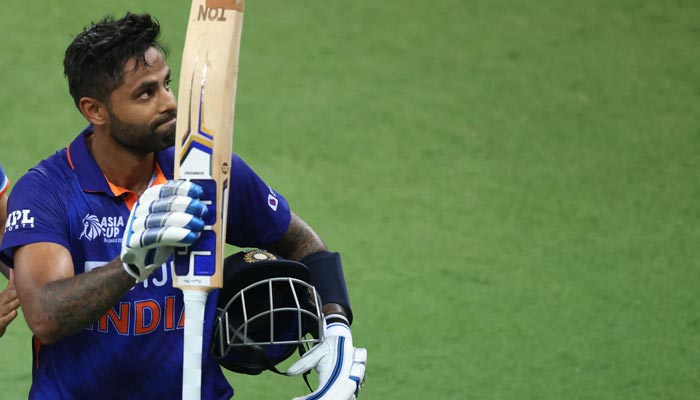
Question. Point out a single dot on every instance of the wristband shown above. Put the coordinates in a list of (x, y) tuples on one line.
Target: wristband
[(328, 279)]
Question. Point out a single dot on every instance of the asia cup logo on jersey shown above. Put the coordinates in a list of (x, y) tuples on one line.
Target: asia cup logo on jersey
[(91, 227), (110, 228)]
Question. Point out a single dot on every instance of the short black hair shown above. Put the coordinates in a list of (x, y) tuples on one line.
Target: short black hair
[(94, 61)]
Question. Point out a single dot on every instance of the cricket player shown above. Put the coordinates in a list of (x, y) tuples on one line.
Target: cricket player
[(95, 282), (9, 303)]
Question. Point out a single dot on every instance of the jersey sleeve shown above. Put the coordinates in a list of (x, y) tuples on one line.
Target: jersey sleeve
[(257, 214), (4, 182), (35, 213)]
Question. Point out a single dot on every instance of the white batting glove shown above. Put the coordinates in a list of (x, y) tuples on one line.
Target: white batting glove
[(340, 366), (165, 216)]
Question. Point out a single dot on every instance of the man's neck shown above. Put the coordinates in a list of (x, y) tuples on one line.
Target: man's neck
[(120, 166)]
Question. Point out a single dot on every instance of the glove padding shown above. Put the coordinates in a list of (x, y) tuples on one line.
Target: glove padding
[(165, 216), (340, 366)]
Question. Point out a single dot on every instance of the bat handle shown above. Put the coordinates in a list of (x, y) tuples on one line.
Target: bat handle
[(195, 301)]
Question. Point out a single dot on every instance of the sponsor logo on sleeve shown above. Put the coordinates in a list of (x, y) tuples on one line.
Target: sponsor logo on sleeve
[(19, 219), (272, 201)]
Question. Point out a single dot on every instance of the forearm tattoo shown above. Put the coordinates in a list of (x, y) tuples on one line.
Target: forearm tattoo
[(299, 241), (75, 303)]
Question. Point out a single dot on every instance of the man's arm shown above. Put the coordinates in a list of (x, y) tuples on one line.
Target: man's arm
[(8, 296), (340, 366), (298, 242), (9, 303), (56, 302)]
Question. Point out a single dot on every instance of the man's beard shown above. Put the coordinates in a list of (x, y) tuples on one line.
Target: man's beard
[(142, 138)]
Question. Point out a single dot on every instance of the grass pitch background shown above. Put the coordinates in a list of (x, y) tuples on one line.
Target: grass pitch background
[(513, 184)]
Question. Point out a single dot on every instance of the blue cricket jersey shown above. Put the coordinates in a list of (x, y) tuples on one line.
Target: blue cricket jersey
[(135, 350)]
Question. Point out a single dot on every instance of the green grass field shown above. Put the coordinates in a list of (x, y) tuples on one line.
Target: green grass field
[(513, 184)]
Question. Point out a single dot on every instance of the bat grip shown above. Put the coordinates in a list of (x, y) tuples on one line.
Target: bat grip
[(195, 301)]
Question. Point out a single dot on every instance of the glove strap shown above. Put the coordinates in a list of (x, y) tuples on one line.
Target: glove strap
[(337, 325), (336, 319)]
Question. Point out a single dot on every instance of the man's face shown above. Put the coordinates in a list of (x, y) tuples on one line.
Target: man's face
[(142, 110)]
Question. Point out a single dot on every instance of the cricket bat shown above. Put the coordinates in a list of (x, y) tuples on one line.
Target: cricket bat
[(203, 145)]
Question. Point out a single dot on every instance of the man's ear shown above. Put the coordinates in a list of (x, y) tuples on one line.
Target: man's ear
[(94, 111)]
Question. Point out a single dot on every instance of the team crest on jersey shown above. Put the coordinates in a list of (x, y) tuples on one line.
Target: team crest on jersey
[(109, 228)]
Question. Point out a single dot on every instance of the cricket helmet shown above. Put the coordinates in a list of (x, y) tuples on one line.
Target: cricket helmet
[(266, 310)]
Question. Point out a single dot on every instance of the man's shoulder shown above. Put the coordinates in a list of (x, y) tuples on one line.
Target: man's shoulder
[(51, 172)]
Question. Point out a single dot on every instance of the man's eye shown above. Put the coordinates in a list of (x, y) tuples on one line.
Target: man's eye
[(168, 82)]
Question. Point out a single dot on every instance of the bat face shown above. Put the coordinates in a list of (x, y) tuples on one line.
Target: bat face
[(203, 145), (204, 138)]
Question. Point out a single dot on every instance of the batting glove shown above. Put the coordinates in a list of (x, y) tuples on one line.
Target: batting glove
[(165, 216), (340, 366)]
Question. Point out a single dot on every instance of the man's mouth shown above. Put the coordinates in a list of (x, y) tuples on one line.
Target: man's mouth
[(167, 122)]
